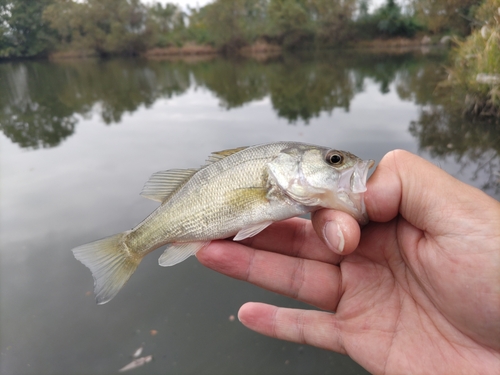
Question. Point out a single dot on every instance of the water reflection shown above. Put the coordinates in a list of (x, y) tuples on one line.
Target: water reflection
[(473, 144), (40, 101)]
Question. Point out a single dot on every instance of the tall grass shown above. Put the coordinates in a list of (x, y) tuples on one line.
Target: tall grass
[(476, 67)]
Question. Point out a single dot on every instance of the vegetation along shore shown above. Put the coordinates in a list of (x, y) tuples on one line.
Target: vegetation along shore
[(60, 29)]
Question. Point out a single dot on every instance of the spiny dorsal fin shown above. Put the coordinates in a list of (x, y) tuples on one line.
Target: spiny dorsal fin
[(161, 185), (218, 155)]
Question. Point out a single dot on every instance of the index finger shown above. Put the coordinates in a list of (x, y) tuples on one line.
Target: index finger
[(330, 234), (294, 237)]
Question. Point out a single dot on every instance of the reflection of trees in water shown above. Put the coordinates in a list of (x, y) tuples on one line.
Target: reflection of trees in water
[(39, 100), (442, 129), (28, 115), (301, 90), (444, 132), (233, 82), (38, 96)]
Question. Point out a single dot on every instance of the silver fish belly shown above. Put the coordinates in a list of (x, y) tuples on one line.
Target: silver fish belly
[(237, 193)]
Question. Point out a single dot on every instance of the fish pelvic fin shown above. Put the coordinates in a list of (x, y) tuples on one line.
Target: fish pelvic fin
[(111, 263)]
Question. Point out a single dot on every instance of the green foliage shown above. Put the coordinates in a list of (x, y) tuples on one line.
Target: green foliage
[(450, 16), (224, 22), (105, 26), (23, 32), (476, 69), (229, 24), (326, 22), (167, 24), (387, 21), (290, 20), (128, 27), (198, 30)]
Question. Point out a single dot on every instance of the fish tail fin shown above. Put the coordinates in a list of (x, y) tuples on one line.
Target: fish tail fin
[(111, 263)]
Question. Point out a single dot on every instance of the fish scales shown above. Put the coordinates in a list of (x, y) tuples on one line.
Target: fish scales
[(207, 206), (237, 193)]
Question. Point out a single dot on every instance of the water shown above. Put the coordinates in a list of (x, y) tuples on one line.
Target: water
[(80, 138)]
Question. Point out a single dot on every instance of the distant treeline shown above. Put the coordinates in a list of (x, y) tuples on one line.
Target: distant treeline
[(31, 28)]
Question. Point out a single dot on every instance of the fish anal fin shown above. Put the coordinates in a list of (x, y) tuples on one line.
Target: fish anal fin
[(111, 264), (161, 185), (180, 251), (251, 230), (218, 155)]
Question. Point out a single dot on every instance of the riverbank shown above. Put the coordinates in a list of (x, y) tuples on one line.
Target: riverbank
[(188, 50), (259, 49)]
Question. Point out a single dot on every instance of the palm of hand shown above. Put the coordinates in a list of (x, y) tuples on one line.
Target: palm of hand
[(399, 303)]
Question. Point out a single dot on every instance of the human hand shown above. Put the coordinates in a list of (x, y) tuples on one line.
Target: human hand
[(417, 291)]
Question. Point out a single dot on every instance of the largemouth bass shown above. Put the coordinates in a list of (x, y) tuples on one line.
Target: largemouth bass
[(236, 193)]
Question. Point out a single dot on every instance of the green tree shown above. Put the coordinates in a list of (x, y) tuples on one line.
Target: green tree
[(453, 16), (290, 20), (167, 23), (231, 24), (332, 20), (23, 32), (106, 26), (387, 21), (327, 22)]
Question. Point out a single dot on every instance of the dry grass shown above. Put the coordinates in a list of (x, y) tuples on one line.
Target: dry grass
[(261, 47), (391, 43), (261, 51)]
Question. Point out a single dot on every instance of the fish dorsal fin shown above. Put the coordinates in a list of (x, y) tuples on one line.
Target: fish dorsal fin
[(218, 155), (161, 185)]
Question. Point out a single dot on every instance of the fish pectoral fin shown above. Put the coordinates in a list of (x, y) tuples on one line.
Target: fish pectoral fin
[(179, 251), (251, 230), (161, 185)]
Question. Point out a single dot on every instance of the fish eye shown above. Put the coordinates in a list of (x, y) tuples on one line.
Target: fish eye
[(334, 158)]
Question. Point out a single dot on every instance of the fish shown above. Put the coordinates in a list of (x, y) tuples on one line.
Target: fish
[(237, 193)]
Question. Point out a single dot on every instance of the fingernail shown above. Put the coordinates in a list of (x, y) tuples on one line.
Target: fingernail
[(334, 236)]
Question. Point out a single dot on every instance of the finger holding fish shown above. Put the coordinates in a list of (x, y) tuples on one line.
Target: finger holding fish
[(304, 238), (314, 282), (293, 237), (337, 230)]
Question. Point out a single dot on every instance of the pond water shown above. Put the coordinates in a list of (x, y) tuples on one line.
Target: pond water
[(78, 141)]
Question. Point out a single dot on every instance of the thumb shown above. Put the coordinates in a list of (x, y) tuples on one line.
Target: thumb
[(422, 193)]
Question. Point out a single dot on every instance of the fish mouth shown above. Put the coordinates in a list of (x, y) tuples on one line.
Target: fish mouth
[(351, 188)]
